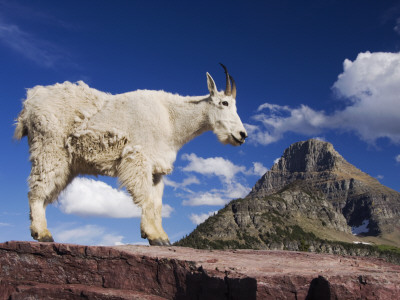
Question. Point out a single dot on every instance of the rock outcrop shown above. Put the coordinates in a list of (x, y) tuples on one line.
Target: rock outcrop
[(30, 270)]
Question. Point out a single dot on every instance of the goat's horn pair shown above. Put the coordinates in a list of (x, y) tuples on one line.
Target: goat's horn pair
[(228, 90)]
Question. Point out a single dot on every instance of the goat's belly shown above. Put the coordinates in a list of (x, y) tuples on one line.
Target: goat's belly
[(96, 153)]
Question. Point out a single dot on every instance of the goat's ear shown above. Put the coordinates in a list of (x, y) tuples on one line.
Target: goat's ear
[(211, 85)]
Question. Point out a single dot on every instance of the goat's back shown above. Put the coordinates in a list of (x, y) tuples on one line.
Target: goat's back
[(58, 109)]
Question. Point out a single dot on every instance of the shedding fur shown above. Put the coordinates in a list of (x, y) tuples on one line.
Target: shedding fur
[(73, 129)]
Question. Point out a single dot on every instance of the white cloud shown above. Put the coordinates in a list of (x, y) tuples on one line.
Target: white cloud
[(273, 107), (276, 160), (5, 224), (86, 235), (88, 197), (370, 82), (217, 166), (206, 198), (258, 169), (166, 210), (235, 190), (218, 197), (397, 158), (226, 171), (198, 219), (319, 138), (186, 182), (258, 135), (302, 120), (379, 177)]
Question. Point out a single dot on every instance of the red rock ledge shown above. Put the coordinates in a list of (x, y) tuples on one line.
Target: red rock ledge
[(30, 270)]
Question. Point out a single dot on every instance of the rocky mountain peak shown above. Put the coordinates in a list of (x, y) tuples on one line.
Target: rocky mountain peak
[(314, 162), (360, 198), (309, 156)]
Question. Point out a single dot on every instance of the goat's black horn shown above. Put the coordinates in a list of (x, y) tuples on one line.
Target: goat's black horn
[(233, 87), (228, 90)]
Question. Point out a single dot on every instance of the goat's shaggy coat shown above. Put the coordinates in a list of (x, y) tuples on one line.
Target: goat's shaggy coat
[(74, 129)]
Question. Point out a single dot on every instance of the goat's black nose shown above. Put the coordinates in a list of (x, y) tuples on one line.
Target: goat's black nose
[(243, 135)]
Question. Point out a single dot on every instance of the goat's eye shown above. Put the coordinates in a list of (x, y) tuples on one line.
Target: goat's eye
[(225, 103)]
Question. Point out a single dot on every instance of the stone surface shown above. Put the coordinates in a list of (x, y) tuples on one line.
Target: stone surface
[(31, 270)]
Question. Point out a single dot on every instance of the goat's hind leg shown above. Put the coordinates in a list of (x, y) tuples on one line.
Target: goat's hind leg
[(49, 176)]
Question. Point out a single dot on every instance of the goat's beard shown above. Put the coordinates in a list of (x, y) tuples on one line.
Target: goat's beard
[(224, 135), (227, 138)]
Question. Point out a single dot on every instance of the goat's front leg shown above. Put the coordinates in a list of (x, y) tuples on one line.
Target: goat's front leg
[(135, 173)]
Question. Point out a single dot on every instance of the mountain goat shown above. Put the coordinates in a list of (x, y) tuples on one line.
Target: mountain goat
[(73, 129)]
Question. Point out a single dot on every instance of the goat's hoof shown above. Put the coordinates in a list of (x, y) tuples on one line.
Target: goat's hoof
[(47, 239), (159, 242)]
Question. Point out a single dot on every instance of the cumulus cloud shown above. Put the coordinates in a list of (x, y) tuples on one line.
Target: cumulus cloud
[(397, 158), (218, 197), (216, 166), (86, 235), (200, 218), (88, 197), (371, 84), (227, 173), (258, 169), (235, 190), (277, 121)]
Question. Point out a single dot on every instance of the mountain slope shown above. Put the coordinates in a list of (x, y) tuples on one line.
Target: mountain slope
[(353, 193), (275, 221), (309, 200)]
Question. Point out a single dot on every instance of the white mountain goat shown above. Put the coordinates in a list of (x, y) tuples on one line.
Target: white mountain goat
[(73, 129)]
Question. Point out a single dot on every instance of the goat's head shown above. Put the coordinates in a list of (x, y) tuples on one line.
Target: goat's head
[(224, 119)]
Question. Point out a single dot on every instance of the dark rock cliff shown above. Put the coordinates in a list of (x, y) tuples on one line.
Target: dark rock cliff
[(31, 270)]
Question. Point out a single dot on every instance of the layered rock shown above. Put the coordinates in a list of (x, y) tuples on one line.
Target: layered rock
[(32, 270)]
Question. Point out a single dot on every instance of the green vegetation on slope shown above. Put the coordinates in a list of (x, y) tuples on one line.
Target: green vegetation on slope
[(273, 228)]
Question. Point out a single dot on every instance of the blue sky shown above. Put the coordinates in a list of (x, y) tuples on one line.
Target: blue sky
[(304, 69)]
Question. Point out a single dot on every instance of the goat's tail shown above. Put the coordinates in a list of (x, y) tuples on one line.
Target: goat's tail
[(21, 130)]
